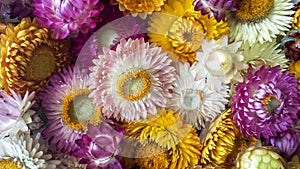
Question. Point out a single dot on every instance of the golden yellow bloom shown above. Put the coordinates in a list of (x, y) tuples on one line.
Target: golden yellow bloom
[(29, 56), (294, 68), (140, 6), (168, 131), (296, 19), (221, 142), (180, 30), (153, 156)]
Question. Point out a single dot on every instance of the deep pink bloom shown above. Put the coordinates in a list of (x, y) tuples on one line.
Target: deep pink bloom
[(266, 103), (216, 8), (100, 147), (67, 16)]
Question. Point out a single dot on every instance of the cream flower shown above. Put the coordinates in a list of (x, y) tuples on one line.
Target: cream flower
[(23, 152), (193, 100), (219, 61), (13, 112)]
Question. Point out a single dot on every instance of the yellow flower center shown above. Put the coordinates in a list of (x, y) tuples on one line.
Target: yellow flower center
[(134, 84), (42, 65), (78, 110), (254, 10), (271, 103), (185, 36), (9, 164)]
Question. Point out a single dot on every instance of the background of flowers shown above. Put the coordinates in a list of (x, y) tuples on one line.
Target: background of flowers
[(149, 84)]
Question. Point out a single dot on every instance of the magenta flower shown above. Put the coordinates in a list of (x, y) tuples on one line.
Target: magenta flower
[(67, 16), (266, 103), (100, 147), (216, 8)]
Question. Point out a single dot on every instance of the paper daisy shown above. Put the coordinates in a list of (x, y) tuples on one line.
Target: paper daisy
[(133, 80), (68, 108), (221, 141), (168, 131), (100, 147), (220, 61), (22, 152), (296, 15), (153, 156), (141, 8), (216, 8), (259, 157), (68, 16), (260, 20), (13, 113), (287, 142), (266, 103), (267, 53), (193, 100), (180, 32), (29, 56)]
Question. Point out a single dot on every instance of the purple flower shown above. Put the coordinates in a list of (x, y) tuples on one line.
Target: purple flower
[(267, 102), (216, 8), (100, 147), (67, 16)]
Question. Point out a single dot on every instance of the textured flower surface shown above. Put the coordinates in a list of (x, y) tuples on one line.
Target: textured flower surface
[(100, 146), (22, 152), (267, 102), (29, 56), (267, 53), (67, 16), (168, 131), (260, 157), (216, 8), (220, 61), (291, 44), (220, 141), (13, 113), (68, 108), (140, 7), (133, 80), (260, 20), (180, 32), (193, 100)]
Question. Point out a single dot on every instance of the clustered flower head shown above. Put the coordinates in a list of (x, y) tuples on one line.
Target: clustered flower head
[(149, 84), (66, 17)]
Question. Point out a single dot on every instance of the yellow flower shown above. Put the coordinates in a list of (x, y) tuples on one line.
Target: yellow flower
[(153, 156), (140, 7), (29, 56), (221, 142), (179, 29), (296, 19), (294, 69), (168, 131)]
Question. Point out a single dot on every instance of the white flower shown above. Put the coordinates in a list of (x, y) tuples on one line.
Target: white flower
[(219, 62), (132, 81), (260, 20), (13, 113), (193, 100), (22, 152)]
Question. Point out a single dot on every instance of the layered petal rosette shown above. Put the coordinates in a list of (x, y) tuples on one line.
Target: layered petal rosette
[(266, 103), (67, 16)]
